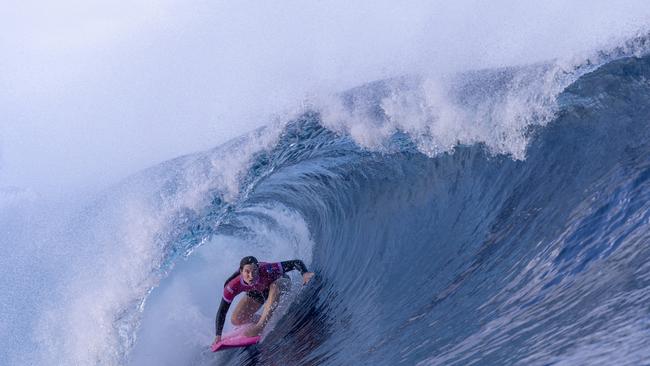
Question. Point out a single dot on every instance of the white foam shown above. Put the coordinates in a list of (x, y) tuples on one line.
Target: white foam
[(437, 120)]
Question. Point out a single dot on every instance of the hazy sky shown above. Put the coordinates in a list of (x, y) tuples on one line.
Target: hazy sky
[(91, 91)]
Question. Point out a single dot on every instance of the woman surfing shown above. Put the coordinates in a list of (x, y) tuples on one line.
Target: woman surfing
[(264, 284)]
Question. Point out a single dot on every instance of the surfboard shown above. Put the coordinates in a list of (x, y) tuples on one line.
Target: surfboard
[(235, 339)]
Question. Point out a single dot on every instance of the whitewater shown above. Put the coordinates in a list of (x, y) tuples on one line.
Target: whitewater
[(493, 216)]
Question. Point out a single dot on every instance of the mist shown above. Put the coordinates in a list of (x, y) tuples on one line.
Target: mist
[(92, 92)]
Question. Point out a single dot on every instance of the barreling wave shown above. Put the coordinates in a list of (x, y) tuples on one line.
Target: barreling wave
[(469, 257), (494, 217)]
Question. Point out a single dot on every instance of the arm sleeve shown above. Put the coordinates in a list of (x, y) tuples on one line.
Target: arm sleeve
[(294, 264), (221, 316)]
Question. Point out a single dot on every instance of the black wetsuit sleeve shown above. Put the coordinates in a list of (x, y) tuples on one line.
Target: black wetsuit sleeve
[(294, 264), (223, 309), (221, 316)]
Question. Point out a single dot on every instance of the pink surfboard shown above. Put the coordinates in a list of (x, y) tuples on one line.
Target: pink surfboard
[(234, 339)]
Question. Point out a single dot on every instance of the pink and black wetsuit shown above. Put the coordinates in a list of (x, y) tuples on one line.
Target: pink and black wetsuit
[(267, 274), (259, 290)]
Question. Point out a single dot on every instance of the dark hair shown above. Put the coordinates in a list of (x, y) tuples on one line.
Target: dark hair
[(247, 260)]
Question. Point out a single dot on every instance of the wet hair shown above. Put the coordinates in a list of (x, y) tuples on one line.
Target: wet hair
[(247, 260)]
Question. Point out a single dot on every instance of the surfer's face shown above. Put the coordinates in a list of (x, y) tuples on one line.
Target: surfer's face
[(249, 273)]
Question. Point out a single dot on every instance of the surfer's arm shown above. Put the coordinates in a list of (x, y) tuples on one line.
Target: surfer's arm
[(300, 266), (230, 290), (221, 316)]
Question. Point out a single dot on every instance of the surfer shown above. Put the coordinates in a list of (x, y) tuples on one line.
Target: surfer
[(263, 283)]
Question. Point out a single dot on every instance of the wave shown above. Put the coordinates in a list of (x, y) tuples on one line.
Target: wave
[(469, 257), (492, 217)]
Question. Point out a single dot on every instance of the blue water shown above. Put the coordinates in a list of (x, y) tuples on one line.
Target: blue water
[(473, 254)]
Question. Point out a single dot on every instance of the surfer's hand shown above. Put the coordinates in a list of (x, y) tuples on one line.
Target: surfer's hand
[(306, 277)]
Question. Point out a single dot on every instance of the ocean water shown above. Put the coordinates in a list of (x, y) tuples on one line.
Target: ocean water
[(493, 217)]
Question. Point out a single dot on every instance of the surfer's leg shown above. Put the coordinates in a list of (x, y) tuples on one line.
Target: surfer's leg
[(277, 289), (245, 311)]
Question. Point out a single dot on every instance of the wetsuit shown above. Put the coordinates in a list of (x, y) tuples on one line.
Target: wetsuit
[(259, 291)]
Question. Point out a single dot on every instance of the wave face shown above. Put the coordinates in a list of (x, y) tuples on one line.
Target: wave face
[(512, 243), (462, 258)]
